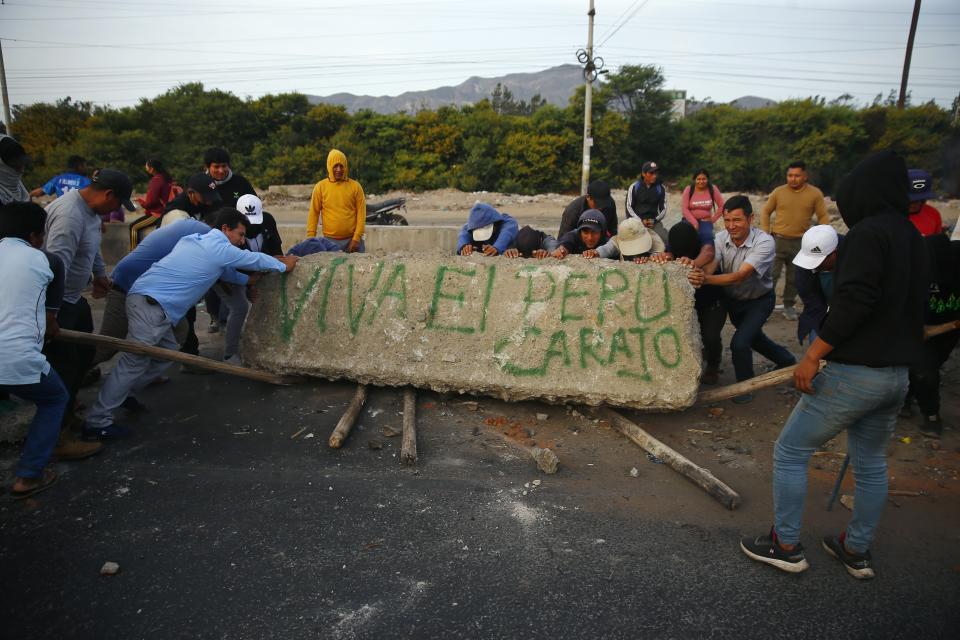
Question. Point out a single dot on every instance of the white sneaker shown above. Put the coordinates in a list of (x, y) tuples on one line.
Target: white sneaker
[(234, 359)]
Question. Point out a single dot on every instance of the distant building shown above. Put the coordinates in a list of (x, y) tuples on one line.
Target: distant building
[(679, 109)]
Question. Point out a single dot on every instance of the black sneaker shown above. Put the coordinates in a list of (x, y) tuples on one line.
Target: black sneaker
[(133, 405), (765, 549), (859, 565), (932, 426)]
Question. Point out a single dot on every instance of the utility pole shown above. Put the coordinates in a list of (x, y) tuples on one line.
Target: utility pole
[(589, 74), (3, 92), (901, 102)]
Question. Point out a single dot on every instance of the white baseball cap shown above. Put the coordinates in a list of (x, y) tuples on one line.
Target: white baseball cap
[(818, 243), (251, 206), (482, 234)]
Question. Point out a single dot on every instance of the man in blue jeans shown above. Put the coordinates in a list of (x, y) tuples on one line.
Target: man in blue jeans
[(743, 267), (871, 335), (24, 370)]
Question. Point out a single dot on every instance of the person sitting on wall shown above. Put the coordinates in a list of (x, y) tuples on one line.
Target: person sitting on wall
[(487, 231)]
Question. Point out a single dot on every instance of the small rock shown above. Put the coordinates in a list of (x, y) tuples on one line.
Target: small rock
[(471, 406), (375, 444), (542, 417), (524, 493), (390, 432), (536, 483), (547, 460), (109, 569), (448, 357), (634, 472), (847, 501), (715, 412), (309, 435)]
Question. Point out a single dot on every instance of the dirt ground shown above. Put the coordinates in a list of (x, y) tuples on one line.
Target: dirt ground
[(290, 203)]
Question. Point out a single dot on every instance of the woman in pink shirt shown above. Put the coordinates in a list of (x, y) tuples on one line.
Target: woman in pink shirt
[(702, 204)]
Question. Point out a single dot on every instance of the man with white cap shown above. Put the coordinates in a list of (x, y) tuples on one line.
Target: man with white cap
[(487, 231), (262, 237), (816, 260)]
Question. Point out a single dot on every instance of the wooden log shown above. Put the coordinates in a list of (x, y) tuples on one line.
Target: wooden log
[(159, 353), (349, 417), (769, 379), (929, 331), (698, 475), (408, 447)]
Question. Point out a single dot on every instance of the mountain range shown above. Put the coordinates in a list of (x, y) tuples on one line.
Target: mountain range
[(555, 85)]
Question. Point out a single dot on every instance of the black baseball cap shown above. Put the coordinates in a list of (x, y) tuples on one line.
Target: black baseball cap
[(592, 219), (650, 167), (599, 190), (118, 182), (205, 186)]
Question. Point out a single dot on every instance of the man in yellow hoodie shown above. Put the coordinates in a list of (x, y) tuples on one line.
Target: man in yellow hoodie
[(339, 205)]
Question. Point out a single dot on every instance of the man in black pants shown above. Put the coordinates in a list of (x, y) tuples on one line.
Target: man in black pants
[(73, 235)]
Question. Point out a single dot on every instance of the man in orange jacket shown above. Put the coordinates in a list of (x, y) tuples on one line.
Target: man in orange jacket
[(338, 204)]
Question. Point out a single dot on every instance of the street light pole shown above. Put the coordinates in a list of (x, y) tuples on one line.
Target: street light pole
[(3, 93)]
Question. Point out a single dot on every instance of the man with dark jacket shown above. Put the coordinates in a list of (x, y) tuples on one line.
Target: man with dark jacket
[(813, 278), (230, 185), (598, 197), (872, 334), (199, 199), (647, 199)]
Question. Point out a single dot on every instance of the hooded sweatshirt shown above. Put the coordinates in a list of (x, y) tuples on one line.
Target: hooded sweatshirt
[(11, 186), (339, 205), (482, 214), (880, 287), (232, 187)]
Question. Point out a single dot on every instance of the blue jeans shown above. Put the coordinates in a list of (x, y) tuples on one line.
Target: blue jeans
[(748, 316), (50, 396), (862, 400), (343, 244)]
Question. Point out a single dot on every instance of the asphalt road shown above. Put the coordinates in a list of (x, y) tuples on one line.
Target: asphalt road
[(225, 527)]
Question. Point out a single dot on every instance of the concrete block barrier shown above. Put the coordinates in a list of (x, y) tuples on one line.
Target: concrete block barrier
[(577, 330)]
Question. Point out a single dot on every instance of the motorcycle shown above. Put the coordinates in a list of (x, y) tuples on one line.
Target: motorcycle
[(385, 212)]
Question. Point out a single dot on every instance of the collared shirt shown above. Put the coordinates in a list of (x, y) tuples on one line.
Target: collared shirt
[(23, 318), (153, 248), (196, 262), (758, 250), (73, 235)]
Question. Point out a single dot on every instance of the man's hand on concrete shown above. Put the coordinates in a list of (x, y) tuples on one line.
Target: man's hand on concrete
[(560, 253), (685, 261), (695, 277), (591, 253), (101, 286), (353, 245), (289, 262), (466, 250), (540, 254), (661, 258), (511, 253), (490, 250)]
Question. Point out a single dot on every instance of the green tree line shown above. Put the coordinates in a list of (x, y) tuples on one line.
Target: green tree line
[(498, 144)]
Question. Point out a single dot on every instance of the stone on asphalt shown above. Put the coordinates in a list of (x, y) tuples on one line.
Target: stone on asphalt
[(547, 460), (109, 568), (574, 331)]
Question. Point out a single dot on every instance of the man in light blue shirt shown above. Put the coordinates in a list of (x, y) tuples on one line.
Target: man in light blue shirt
[(161, 297), (154, 247), (24, 371), (744, 261)]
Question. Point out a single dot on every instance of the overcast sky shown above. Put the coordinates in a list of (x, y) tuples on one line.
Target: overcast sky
[(118, 51)]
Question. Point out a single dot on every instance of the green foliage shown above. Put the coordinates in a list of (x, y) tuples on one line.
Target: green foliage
[(498, 144)]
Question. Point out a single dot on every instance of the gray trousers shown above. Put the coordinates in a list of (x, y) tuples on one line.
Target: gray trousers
[(787, 249), (234, 298), (114, 324), (147, 324)]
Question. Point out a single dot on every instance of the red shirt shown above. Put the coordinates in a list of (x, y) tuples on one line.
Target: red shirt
[(927, 221)]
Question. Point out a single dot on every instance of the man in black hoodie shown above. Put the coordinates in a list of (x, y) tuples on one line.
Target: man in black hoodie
[(871, 335), (230, 185)]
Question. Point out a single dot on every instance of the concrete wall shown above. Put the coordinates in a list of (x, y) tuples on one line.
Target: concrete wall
[(116, 238), (585, 331)]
